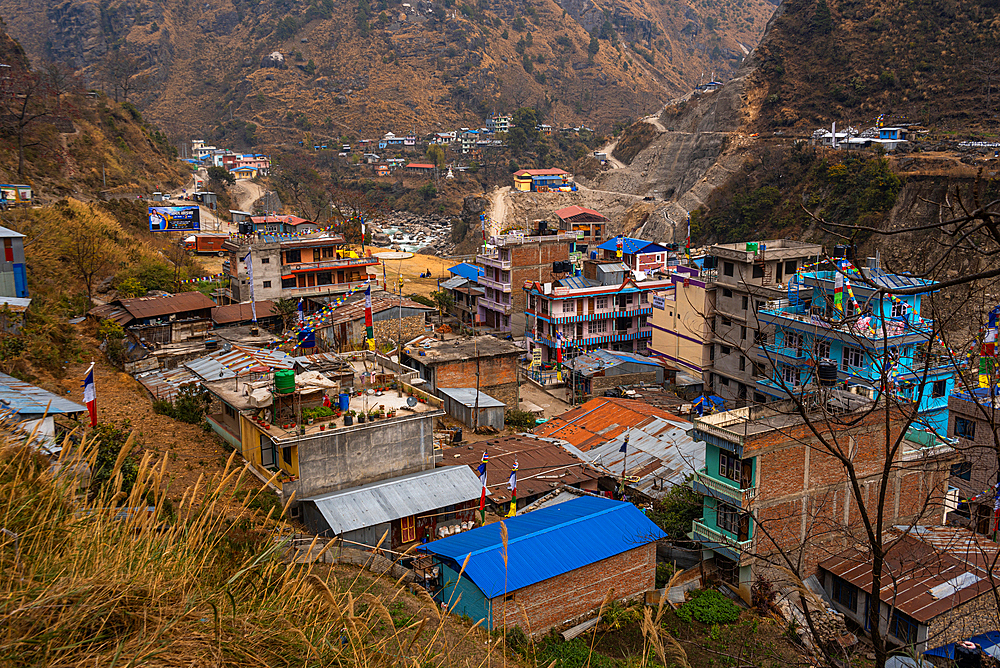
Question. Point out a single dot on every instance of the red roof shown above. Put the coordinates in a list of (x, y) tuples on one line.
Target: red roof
[(288, 220), (540, 172), (419, 165), (574, 210), (600, 420)]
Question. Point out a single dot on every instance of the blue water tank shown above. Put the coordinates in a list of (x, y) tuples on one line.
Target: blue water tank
[(307, 339), (344, 401)]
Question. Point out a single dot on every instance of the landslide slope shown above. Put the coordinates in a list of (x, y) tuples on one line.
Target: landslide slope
[(364, 67)]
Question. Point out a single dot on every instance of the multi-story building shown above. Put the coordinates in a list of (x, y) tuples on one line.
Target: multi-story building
[(499, 123), (771, 481), (511, 261), (682, 322), (480, 361), (585, 222), (637, 254), (286, 268), (972, 420), (876, 341), (543, 180), (747, 276), (607, 307)]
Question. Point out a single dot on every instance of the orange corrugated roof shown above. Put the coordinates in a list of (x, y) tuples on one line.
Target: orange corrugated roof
[(587, 426)]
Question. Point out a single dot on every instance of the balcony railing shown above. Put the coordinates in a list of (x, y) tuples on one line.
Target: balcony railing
[(869, 328), (333, 288), (493, 305), (329, 263), (706, 534), (496, 285), (725, 490), (494, 261)]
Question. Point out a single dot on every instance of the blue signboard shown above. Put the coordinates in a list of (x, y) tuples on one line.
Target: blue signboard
[(174, 218)]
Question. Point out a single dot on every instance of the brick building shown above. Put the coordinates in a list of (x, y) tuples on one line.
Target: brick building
[(391, 316), (771, 485), (455, 363), (586, 222), (561, 561), (514, 260), (972, 416), (936, 586)]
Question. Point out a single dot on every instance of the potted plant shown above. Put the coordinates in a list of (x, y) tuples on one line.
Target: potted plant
[(361, 417), (348, 418), (391, 413)]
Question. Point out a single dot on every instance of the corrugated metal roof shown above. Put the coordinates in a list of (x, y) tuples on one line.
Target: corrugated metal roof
[(388, 500), (8, 233), (660, 451), (152, 307), (454, 282), (574, 210), (111, 312), (543, 465), (928, 572), (217, 365), (224, 315), (632, 246), (599, 360), (467, 270), (26, 399), (467, 397), (546, 543), (15, 304)]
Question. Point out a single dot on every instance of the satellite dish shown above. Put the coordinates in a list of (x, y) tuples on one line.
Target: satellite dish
[(411, 401), (371, 392), (639, 275)]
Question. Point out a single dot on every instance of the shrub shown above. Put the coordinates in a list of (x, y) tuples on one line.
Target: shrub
[(520, 420), (188, 406), (709, 607)]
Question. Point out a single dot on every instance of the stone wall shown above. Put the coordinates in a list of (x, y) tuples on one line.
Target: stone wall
[(973, 617)]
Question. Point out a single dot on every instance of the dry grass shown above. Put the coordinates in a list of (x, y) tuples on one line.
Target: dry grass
[(99, 586)]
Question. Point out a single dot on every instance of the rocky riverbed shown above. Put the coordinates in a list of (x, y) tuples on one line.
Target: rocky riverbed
[(405, 231)]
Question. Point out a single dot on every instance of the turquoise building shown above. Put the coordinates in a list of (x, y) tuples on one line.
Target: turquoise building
[(876, 342)]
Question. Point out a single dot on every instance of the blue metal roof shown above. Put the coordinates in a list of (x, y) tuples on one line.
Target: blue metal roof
[(546, 543), (596, 360), (467, 270), (26, 399), (632, 246), (989, 641)]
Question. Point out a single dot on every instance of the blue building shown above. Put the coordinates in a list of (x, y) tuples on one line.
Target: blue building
[(873, 339), (556, 564)]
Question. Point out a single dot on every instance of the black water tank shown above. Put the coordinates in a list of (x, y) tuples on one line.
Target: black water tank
[(827, 371), (967, 657)]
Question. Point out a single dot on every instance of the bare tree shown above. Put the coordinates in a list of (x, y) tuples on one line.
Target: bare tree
[(353, 206), (26, 98), (122, 70), (987, 67), (92, 251)]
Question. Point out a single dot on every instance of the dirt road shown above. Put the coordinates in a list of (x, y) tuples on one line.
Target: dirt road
[(245, 193), (498, 210)]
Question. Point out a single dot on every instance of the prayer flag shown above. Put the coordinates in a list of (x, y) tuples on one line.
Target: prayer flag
[(90, 395)]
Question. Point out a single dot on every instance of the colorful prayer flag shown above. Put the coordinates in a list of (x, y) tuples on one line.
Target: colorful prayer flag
[(369, 329), (512, 486), (482, 479), (838, 292), (90, 395)]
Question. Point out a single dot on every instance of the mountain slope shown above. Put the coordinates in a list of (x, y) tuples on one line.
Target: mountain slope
[(363, 67)]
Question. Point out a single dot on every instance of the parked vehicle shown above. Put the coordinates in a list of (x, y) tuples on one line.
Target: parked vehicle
[(205, 244)]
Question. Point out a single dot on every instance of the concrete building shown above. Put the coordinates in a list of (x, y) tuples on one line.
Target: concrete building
[(296, 267), (607, 307), (637, 254), (456, 363), (870, 332), (512, 260), (406, 510), (544, 464), (590, 374), (682, 323), (972, 417), (543, 180), (471, 408), (936, 586), (660, 453), (766, 466), (465, 295), (746, 277), (558, 565), (499, 123), (582, 221)]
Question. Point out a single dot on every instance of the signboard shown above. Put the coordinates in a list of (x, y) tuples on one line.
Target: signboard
[(658, 302), (174, 218), (536, 357)]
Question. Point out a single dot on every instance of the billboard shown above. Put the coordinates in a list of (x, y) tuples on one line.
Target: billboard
[(171, 218)]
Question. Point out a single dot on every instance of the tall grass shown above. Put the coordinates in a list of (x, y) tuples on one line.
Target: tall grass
[(110, 584)]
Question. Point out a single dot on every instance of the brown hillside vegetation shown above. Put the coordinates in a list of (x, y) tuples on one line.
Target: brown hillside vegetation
[(850, 61), (364, 67)]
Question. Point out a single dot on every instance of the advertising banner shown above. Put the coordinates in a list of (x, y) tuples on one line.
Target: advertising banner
[(174, 218)]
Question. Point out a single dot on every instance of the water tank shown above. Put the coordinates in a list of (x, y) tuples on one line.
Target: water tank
[(826, 370), (307, 339), (284, 381), (344, 401)]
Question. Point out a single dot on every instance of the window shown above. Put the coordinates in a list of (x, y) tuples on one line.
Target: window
[(599, 327), (743, 332), (288, 282), (726, 322), (729, 518), (898, 309), (267, 454), (962, 470), (853, 358), (643, 297), (789, 375), (730, 467), (821, 349), (265, 260), (746, 302), (790, 267), (408, 529), (965, 428), (727, 293), (727, 268), (601, 304), (292, 256), (758, 271), (793, 341), (938, 389), (903, 627), (742, 392), (759, 398), (743, 363), (267, 284), (569, 306), (725, 381), (845, 593), (286, 455), (229, 411), (726, 350), (711, 353)]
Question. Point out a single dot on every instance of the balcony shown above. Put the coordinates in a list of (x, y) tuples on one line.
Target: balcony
[(797, 354), (866, 330), (725, 490), (496, 285), (492, 305), (494, 261), (313, 290), (330, 263), (714, 540)]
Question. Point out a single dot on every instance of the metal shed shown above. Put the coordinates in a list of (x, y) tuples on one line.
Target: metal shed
[(461, 404)]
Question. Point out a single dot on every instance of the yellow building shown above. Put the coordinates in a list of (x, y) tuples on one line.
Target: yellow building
[(681, 332)]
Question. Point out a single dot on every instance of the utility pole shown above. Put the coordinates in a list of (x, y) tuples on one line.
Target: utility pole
[(475, 343)]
